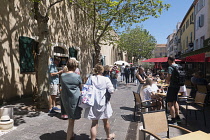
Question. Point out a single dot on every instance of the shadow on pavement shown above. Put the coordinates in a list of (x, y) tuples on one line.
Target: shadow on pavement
[(61, 135), (127, 108)]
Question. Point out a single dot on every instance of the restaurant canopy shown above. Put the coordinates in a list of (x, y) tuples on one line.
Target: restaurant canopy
[(196, 58), (160, 59)]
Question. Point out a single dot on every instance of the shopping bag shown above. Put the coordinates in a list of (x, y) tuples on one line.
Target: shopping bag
[(87, 96)]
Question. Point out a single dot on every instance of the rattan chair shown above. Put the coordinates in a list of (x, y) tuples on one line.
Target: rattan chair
[(155, 122), (138, 104), (197, 105)]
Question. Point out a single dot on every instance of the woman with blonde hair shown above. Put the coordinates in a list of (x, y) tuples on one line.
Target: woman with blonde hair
[(71, 90), (101, 110)]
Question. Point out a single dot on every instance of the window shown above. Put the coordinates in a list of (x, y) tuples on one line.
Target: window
[(191, 36), (187, 24), (183, 29), (27, 48), (201, 21), (187, 41), (201, 41), (191, 18)]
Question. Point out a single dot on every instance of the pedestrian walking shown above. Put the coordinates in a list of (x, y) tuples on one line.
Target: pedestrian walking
[(132, 69), (122, 68), (113, 76), (54, 85), (71, 84), (173, 89), (100, 110), (127, 74)]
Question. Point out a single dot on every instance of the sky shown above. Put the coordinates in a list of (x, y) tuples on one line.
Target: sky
[(163, 26)]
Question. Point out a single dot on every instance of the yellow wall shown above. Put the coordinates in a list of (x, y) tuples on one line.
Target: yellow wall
[(187, 32)]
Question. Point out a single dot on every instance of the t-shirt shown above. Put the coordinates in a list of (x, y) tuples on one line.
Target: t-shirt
[(132, 69), (146, 93), (173, 82), (154, 88), (122, 69), (53, 79)]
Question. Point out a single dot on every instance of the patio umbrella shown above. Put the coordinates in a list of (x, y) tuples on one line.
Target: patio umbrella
[(121, 62)]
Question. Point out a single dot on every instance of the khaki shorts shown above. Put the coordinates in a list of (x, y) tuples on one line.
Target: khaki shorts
[(54, 90)]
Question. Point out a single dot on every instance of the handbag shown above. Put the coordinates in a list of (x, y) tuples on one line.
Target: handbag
[(108, 96), (86, 99)]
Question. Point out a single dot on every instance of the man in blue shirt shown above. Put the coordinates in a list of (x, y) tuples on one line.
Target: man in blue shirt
[(54, 84), (172, 93)]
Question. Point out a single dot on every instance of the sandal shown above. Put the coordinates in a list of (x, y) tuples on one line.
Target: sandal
[(111, 136)]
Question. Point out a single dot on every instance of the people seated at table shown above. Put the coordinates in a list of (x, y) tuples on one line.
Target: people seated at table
[(194, 79), (201, 80), (147, 95)]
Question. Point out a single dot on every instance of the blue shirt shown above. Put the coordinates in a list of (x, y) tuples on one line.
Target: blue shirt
[(53, 79)]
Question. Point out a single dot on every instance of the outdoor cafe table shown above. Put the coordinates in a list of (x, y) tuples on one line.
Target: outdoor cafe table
[(162, 85), (197, 135)]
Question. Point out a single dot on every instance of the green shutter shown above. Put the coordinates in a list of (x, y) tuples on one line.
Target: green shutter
[(26, 48), (72, 52)]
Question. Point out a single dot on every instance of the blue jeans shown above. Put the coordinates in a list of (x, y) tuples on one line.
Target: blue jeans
[(114, 83)]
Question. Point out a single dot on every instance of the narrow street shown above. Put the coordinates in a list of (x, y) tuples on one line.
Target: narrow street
[(38, 125)]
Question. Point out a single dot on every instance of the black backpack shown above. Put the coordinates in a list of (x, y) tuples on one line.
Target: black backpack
[(178, 75)]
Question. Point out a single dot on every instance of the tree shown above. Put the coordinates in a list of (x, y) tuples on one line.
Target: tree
[(43, 51), (109, 15), (137, 42)]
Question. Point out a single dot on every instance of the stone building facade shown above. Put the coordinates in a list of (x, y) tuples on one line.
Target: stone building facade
[(70, 35)]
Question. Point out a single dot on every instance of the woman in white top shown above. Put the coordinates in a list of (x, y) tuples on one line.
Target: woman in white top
[(100, 110), (147, 94)]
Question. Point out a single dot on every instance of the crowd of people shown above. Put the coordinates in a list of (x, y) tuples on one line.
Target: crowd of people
[(105, 79)]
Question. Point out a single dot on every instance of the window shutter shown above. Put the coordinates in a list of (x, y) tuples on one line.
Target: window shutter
[(202, 20), (26, 48)]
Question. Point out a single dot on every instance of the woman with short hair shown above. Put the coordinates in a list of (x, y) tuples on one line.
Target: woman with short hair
[(71, 90)]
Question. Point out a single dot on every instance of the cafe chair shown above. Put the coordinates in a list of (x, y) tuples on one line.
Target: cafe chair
[(156, 122), (188, 83), (197, 105), (138, 104)]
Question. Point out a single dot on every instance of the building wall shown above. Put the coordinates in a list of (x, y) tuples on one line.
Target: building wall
[(187, 30), (68, 27), (201, 33), (160, 50)]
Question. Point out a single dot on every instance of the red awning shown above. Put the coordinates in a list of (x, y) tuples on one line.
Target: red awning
[(196, 58), (160, 59), (207, 59)]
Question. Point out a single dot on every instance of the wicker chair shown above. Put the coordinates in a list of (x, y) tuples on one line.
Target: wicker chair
[(156, 122), (197, 105), (138, 104)]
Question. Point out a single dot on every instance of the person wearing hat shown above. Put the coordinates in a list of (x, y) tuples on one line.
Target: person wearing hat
[(54, 85)]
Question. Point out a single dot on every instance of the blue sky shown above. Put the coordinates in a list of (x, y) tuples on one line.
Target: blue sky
[(161, 27)]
